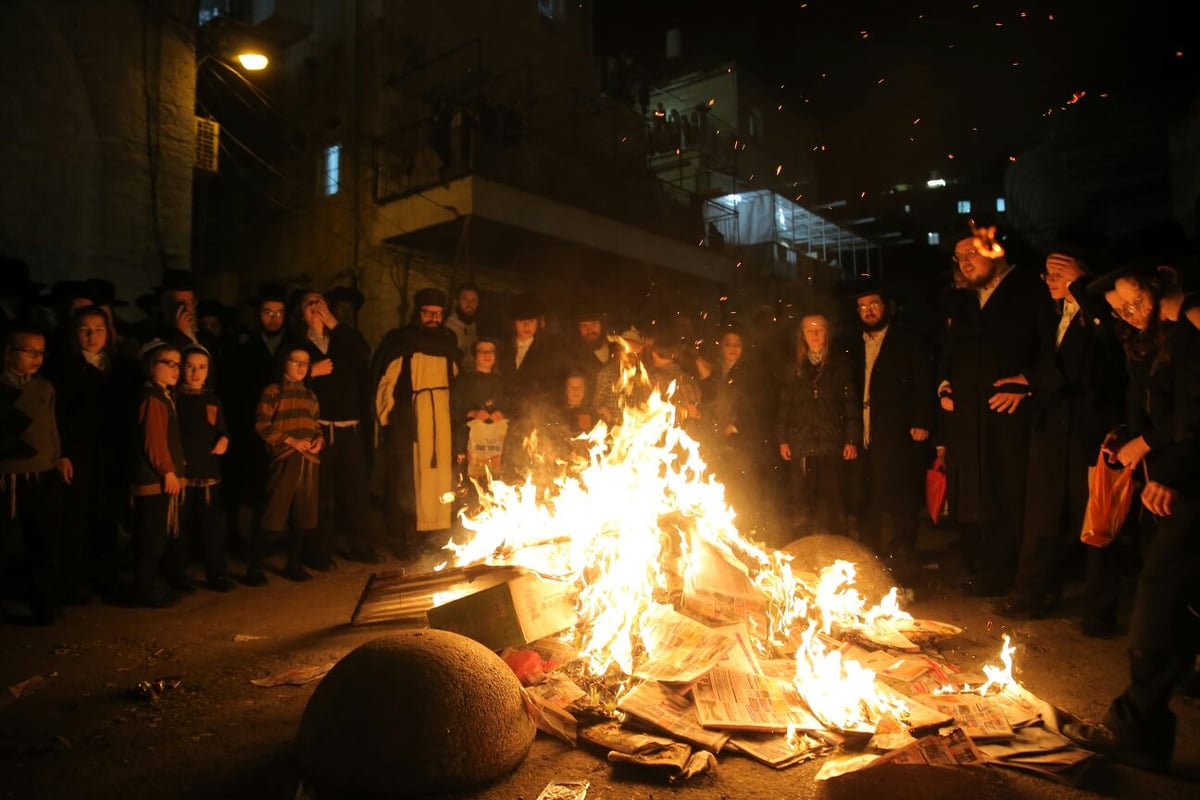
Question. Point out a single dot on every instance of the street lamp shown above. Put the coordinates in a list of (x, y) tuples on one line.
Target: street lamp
[(252, 60)]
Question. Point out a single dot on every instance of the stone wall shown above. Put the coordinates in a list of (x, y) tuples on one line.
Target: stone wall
[(96, 156)]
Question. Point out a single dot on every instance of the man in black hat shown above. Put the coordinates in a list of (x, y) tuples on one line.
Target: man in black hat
[(345, 302), (532, 360), (251, 367), (413, 368), (1077, 392), (895, 374), (989, 357), (179, 325), (591, 350)]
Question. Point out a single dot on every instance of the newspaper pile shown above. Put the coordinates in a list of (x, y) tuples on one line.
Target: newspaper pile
[(698, 690)]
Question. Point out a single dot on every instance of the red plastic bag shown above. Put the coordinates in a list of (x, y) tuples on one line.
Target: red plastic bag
[(1110, 496), (935, 489)]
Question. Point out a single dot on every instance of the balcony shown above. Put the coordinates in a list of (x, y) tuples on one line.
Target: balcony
[(566, 180)]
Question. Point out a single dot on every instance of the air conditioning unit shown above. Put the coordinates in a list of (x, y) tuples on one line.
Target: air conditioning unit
[(208, 138)]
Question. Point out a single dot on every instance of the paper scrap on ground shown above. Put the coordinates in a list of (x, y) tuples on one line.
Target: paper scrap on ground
[(678, 649), (294, 677), (662, 709)]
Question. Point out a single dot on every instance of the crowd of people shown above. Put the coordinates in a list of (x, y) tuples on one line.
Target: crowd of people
[(196, 443)]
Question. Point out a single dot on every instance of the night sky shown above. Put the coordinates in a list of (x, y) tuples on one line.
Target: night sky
[(910, 87)]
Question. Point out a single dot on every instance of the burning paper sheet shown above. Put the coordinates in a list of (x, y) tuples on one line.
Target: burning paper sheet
[(726, 698), (981, 718), (678, 649)]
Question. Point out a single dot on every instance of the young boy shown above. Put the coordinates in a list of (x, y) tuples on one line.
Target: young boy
[(30, 482), (205, 440), (158, 476), (288, 421)]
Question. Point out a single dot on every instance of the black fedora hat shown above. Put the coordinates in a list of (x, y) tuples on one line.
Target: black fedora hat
[(1082, 243), (176, 280), (865, 286), (102, 292), (525, 306), (270, 293), (345, 294), (14, 277), (61, 293), (211, 308), (1142, 251)]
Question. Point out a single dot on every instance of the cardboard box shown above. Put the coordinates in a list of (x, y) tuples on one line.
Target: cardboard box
[(521, 610)]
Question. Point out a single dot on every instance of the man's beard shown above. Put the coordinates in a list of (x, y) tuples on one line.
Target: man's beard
[(464, 316), (593, 342), (878, 325), (981, 281)]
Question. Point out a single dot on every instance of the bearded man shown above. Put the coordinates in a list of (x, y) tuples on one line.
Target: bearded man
[(414, 366), (990, 355), (896, 375), (462, 322)]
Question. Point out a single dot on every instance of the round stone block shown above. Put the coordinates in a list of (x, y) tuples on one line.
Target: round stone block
[(411, 714), (813, 553)]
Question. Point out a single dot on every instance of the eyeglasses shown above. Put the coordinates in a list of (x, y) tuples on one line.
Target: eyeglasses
[(1053, 277), (272, 314), (30, 351), (298, 362), (1129, 311), (874, 305), (168, 364), (964, 255)]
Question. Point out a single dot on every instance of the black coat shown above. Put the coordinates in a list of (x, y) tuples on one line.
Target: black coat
[(820, 408), (902, 390), (251, 368), (1079, 384), (540, 376), (986, 451), (95, 412)]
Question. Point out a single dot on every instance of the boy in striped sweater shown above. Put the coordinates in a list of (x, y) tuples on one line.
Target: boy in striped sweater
[(287, 421)]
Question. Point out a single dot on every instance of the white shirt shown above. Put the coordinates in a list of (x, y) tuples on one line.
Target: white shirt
[(1069, 310), (872, 343), (522, 349), (986, 293)]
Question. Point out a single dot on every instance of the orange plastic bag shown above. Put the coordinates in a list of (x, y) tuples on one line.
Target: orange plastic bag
[(935, 489), (1110, 496)]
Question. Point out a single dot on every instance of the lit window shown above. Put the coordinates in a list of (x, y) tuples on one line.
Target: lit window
[(964, 206), (934, 238), (1000, 205), (331, 163), (551, 9), (907, 208)]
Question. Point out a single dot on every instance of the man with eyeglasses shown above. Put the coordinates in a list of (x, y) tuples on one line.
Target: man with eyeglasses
[(895, 372), (30, 477), (251, 368), (989, 355), (1161, 334), (1077, 392)]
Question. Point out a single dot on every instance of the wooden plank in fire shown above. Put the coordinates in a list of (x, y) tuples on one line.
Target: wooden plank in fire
[(396, 596)]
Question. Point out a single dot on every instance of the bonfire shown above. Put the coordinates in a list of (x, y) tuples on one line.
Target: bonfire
[(672, 599)]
